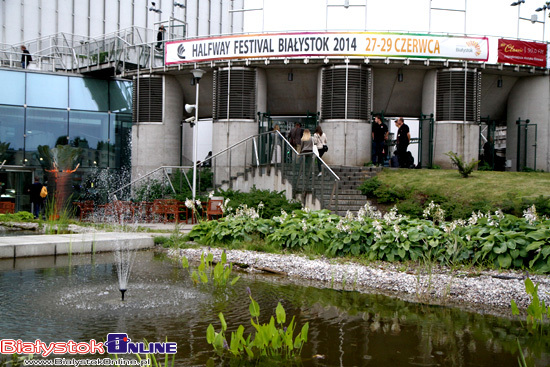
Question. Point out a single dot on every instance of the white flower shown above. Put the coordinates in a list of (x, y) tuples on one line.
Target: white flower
[(189, 203), (198, 202), (211, 195), (530, 214), (304, 225), (260, 205)]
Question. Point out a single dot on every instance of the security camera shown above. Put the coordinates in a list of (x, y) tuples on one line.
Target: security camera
[(190, 121), (189, 108)]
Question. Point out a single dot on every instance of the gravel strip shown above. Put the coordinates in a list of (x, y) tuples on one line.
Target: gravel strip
[(487, 291)]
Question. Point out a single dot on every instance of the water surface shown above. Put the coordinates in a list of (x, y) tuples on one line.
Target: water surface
[(61, 298)]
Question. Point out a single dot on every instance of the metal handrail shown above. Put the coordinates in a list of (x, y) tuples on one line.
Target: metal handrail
[(295, 171)]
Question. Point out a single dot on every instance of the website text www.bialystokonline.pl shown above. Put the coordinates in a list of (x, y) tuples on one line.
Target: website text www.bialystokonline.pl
[(86, 362)]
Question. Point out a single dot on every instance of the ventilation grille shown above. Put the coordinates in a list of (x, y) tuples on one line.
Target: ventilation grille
[(359, 87), (147, 100), (235, 88), (458, 95)]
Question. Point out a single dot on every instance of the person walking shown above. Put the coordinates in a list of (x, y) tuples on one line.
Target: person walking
[(320, 141), (26, 57), (402, 142), (379, 134), (36, 200), (160, 37), (295, 136)]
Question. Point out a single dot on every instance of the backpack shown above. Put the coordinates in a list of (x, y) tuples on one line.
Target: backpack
[(43, 192)]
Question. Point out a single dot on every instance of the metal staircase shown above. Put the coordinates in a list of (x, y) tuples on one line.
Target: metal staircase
[(108, 55), (271, 157), (267, 156)]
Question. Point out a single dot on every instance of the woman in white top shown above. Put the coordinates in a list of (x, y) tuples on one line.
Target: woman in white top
[(320, 140)]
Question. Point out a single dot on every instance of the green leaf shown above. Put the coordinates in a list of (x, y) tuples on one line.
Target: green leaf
[(249, 352), (222, 320), (254, 308), (195, 277), (529, 286), (505, 261), (401, 252), (305, 330), (540, 234), (204, 278), (218, 341), (281, 315), (234, 280), (210, 334), (501, 248), (185, 262)]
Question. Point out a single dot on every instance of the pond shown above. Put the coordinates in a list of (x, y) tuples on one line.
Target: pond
[(77, 298)]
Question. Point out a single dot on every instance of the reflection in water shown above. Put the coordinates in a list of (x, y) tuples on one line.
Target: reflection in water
[(81, 302)]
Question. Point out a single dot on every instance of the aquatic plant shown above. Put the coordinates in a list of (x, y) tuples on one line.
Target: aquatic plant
[(537, 311), (219, 274), (271, 340)]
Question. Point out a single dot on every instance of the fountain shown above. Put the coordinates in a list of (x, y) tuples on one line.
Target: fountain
[(124, 257), (61, 159)]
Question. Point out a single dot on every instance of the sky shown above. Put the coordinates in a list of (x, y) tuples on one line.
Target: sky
[(474, 17)]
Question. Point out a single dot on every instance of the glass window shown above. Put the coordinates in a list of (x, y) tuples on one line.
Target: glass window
[(88, 94), (13, 87), (90, 131), (120, 93), (12, 129), (44, 127), (121, 136), (44, 90)]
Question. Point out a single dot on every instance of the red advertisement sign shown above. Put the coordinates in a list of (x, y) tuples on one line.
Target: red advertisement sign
[(522, 52)]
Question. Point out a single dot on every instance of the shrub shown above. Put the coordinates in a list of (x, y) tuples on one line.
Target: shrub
[(389, 195), (410, 207), (370, 186), (272, 201), (465, 169), (21, 216)]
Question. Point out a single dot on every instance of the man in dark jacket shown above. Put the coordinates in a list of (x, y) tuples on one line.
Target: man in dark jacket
[(380, 134), (26, 57), (402, 142), (36, 199)]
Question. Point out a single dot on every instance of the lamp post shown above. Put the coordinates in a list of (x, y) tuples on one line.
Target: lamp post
[(518, 4), (544, 8), (197, 75)]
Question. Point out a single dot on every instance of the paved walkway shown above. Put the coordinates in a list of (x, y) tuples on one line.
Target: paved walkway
[(81, 243), (62, 244)]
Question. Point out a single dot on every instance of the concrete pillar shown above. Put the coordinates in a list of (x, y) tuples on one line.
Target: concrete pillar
[(349, 140), (529, 99), (463, 139), (156, 144), (460, 137), (227, 132), (428, 108)]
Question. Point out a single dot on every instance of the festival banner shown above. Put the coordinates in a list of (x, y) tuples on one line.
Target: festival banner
[(522, 52), (326, 44)]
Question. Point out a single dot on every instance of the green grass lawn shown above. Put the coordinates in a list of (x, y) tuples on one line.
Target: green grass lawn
[(481, 185), (514, 190)]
